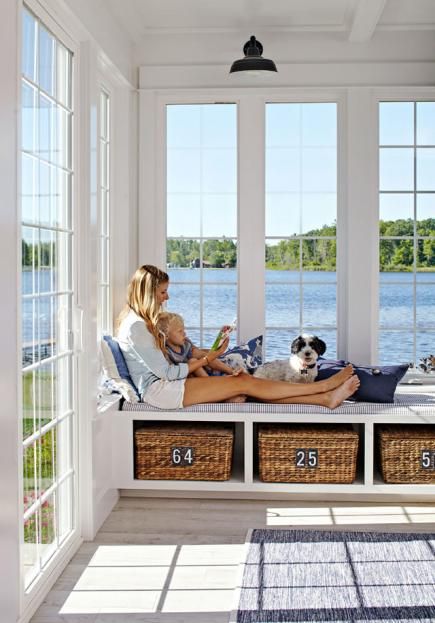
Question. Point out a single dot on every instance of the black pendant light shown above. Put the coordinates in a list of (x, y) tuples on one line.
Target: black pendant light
[(253, 64)]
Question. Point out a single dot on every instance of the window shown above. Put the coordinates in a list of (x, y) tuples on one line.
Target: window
[(407, 230), (105, 307), (301, 212), (202, 216), (47, 294)]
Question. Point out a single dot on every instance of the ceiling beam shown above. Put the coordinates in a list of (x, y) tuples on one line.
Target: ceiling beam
[(365, 19)]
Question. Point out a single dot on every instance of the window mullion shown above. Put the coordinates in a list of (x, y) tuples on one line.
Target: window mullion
[(359, 250), (251, 192)]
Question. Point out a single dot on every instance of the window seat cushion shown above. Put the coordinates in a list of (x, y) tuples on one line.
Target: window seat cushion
[(422, 403)]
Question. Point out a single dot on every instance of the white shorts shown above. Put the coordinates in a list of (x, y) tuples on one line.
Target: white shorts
[(165, 394)]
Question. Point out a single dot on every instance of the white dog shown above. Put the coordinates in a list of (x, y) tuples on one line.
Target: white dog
[(302, 365)]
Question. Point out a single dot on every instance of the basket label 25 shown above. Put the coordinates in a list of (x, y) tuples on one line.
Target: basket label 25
[(307, 457)]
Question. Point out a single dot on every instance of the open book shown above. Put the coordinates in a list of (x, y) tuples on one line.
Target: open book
[(223, 334)]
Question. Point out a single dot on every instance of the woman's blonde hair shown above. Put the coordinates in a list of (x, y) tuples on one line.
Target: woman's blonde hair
[(142, 299)]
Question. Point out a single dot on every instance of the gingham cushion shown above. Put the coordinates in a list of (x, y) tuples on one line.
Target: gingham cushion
[(404, 404)]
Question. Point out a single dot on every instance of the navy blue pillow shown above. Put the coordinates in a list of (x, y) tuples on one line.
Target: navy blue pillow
[(378, 383), (119, 360)]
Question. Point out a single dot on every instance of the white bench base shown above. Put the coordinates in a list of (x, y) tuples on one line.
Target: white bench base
[(244, 481)]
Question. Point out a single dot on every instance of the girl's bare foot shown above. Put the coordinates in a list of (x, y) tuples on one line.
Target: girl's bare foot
[(344, 391), (239, 398), (338, 379)]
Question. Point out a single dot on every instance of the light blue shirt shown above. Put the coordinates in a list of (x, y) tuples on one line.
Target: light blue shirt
[(145, 362)]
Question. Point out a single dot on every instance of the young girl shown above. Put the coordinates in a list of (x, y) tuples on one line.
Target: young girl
[(180, 349), (165, 385)]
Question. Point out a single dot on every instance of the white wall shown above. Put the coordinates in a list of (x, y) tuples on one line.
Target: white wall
[(107, 33), (98, 496), (92, 20), (9, 287)]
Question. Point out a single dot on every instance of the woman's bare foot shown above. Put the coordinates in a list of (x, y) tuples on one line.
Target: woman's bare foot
[(338, 379), (345, 390), (239, 398)]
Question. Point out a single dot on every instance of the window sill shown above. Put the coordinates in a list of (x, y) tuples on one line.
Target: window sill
[(417, 378), (109, 402)]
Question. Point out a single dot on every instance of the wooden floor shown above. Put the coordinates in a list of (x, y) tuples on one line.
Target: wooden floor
[(160, 560)]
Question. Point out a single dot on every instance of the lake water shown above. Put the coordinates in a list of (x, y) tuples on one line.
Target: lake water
[(283, 308)]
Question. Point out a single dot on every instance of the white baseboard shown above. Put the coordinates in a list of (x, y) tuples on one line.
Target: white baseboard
[(104, 505), (320, 498)]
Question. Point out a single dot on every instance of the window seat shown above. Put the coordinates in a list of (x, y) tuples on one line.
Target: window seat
[(406, 403)]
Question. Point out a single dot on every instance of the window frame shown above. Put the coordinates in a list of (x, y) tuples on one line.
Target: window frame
[(298, 326), (399, 94), (103, 86), (29, 595), (357, 201), (203, 283), (251, 188)]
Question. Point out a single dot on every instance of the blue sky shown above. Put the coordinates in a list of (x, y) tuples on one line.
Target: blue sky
[(202, 168), (301, 166)]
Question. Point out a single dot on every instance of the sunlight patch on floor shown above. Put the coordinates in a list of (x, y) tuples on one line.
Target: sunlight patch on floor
[(105, 602), (199, 601), (342, 515), (303, 516), (132, 555), (420, 514), (156, 578)]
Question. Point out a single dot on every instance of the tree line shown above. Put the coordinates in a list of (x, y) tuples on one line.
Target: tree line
[(395, 255), (38, 255)]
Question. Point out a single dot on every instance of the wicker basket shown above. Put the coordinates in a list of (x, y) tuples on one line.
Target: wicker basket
[(183, 451), (407, 453), (314, 453)]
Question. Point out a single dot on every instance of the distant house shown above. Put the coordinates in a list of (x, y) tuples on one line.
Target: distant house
[(196, 263)]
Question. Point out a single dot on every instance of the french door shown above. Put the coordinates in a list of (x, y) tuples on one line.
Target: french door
[(47, 298)]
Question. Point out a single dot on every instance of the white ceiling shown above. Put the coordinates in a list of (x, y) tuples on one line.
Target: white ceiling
[(357, 20)]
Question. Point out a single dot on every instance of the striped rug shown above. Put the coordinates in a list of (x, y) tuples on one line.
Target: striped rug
[(304, 576)]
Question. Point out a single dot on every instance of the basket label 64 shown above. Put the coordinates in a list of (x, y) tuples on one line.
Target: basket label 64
[(182, 456), (307, 457), (427, 459)]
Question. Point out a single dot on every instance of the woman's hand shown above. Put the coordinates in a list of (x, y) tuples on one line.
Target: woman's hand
[(238, 371)]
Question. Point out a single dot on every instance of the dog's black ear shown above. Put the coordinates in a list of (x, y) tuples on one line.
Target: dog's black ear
[(297, 344), (318, 345)]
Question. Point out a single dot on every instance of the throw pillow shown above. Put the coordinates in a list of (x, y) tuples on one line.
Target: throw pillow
[(378, 383), (116, 375), (248, 355)]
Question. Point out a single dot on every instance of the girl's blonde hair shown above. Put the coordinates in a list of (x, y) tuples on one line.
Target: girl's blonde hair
[(141, 298), (166, 319)]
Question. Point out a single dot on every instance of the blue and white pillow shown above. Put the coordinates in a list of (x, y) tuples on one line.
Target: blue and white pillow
[(116, 376), (248, 355)]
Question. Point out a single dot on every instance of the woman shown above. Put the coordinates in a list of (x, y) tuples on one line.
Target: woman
[(166, 386)]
